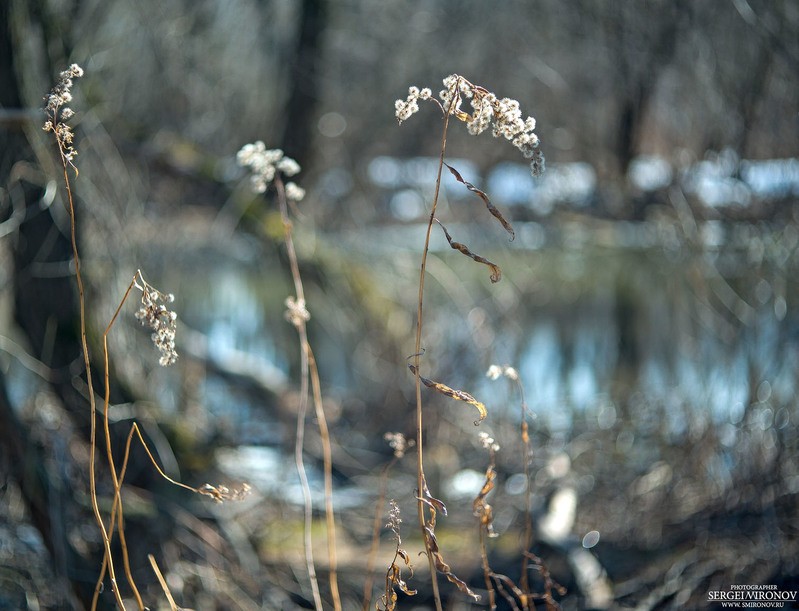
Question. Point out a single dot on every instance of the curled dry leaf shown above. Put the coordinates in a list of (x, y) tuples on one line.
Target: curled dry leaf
[(496, 273), (431, 542), (460, 395), (482, 509), (432, 502), (481, 194)]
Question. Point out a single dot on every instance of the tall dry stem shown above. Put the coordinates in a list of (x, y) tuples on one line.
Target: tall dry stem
[(420, 478), (57, 115), (297, 315), (268, 167)]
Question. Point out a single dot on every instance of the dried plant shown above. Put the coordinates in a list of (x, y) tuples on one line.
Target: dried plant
[(485, 514), (505, 116), (488, 110), (57, 116), (394, 580), (269, 170), (153, 313), (519, 597), (269, 167), (400, 444)]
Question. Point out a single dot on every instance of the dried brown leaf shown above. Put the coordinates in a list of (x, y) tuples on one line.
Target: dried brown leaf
[(431, 542), (481, 194), (488, 486), (496, 273), (442, 567), (459, 395), (433, 502), (482, 509)]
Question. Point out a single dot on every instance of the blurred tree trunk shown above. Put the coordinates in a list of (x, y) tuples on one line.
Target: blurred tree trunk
[(643, 42), (304, 79)]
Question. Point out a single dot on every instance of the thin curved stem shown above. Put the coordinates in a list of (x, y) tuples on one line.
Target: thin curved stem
[(116, 508), (417, 359), (89, 382), (310, 373)]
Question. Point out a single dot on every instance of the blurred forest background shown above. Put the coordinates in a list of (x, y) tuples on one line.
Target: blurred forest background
[(649, 300)]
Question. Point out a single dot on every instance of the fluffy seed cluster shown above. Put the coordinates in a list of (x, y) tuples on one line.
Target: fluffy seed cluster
[(495, 371), (405, 108), (222, 493), (399, 443), (488, 442), (154, 314), (487, 110), (394, 519), (264, 164), (58, 112), (296, 312)]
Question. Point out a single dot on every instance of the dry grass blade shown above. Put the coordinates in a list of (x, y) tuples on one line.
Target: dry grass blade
[(481, 194), (452, 393), (496, 273)]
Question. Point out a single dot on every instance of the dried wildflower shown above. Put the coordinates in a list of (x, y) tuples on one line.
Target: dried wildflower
[(488, 442), (394, 580), (293, 192), (296, 312), (394, 519), (264, 164), (153, 313), (222, 493), (57, 112), (495, 371), (487, 109), (399, 443), (288, 166)]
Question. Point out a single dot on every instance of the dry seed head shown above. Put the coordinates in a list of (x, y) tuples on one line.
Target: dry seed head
[(399, 443), (293, 192), (495, 371), (488, 442), (403, 109), (264, 164), (394, 519), (57, 112), (222, 493), (153, 313), (504, 114), (296, 312)]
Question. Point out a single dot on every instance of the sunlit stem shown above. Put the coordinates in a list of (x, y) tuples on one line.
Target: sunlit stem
[(417, 362), (310, 373), (65, 163)]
